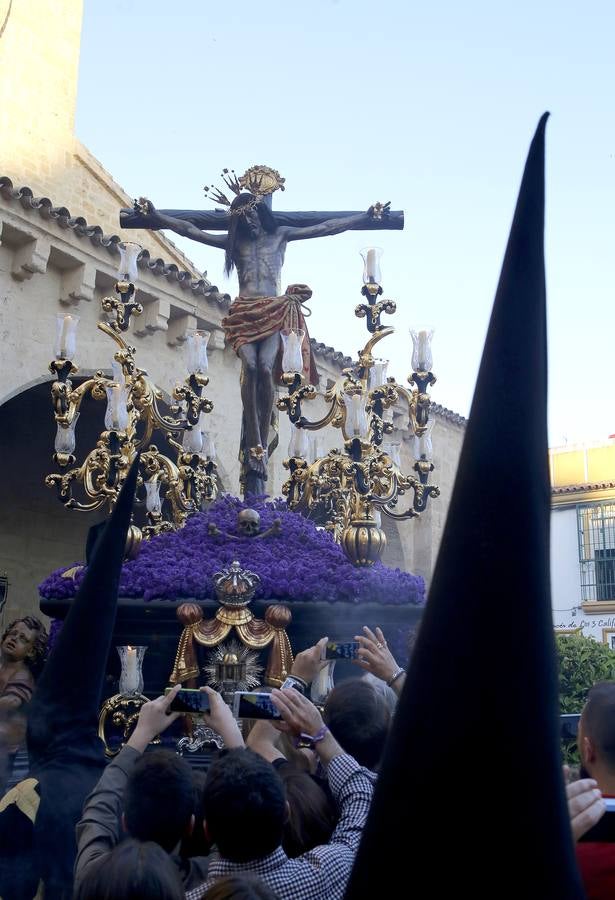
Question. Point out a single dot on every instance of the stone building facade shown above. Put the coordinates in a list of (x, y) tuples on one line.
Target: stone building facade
[(58, 252)]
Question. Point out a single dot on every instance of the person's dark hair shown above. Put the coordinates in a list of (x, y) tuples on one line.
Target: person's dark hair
[(265, 215), (39, 647), (312, 816), (359, 719), (132, 871), (239, 887), (599, 720), (245, 806), (159, 799), (196, 843)]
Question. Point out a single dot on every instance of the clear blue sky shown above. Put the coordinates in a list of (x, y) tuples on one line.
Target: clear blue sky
[(431, 106)]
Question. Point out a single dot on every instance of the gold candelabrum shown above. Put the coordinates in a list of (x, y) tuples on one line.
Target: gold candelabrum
[(133, 414), (350, 488)]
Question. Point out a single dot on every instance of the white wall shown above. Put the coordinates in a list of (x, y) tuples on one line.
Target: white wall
[(565, 576), (566, 581)]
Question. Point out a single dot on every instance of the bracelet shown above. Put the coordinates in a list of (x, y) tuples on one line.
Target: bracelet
[(395, 676), (309, 741), (293, 681)]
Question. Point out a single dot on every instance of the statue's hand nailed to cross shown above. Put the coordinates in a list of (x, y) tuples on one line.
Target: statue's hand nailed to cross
[(380, 210)]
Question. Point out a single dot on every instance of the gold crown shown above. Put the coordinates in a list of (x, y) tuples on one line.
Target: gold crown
[(260, 181), (235, 586)]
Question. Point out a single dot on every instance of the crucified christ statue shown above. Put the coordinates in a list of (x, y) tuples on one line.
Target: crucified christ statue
[(254, 245)]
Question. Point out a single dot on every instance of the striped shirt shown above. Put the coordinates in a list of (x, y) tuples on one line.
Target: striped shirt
[(321, 873)]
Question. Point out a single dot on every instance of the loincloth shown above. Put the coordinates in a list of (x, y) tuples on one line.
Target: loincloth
[(250, 321)]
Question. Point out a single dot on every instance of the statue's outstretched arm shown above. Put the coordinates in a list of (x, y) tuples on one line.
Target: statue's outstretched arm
[(152, 217), (333, 226)]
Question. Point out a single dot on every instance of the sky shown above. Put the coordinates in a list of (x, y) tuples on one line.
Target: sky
[(430, 106)]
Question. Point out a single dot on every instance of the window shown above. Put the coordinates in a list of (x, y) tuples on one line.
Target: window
[(596, 529)]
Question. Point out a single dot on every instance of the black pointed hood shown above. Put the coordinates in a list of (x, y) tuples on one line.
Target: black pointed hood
[(470, 798), (67, 698)]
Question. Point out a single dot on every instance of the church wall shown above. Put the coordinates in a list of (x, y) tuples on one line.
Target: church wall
[(39, 63)]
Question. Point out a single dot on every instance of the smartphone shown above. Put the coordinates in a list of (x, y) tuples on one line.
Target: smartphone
[(569, 725), (189, 701), (251, 705), (341, 650)]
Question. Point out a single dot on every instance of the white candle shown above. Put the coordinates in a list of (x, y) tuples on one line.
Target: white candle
[(64, 335), (65, 348), (422, 359), (132, 675), (292, 359), (371, 265), (423, 345)]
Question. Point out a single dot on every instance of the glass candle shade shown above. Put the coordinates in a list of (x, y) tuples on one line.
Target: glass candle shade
[(66, 336), (377, 374), (116, 416), (118, 372), (196, 350), (153, 503), (209, 446), (357, 424), (371, 265), (299, 444), (65, 437), (129, 253), (394, 451), (193, 439), (316, 447), (131, 676), (423, 446), (292, 358), (422, 360)]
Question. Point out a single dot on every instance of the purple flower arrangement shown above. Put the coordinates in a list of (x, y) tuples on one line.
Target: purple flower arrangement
[(301, 563)]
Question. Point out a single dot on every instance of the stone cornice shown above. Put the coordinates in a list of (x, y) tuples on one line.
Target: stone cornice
[(79, 226)]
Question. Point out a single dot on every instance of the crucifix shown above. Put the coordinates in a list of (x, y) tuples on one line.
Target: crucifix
[(254, 245)]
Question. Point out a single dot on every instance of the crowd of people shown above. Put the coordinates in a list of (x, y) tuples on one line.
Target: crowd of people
[(280, 812)]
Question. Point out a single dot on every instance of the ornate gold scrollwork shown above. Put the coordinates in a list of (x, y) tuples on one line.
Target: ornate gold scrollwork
[(346, 489), (188, 481)]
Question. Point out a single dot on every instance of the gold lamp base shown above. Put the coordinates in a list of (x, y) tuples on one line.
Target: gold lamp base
[(364, 542)]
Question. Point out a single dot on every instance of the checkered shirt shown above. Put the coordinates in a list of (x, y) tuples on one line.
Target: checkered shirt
[(322, 873)]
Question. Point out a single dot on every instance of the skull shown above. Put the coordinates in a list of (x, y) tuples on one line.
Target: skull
[(249, 523)]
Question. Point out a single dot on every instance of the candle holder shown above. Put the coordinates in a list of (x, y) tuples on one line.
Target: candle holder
[(134, 413), (131, 676), (349, 489), (119, 714)]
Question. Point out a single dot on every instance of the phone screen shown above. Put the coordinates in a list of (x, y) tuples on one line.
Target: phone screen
[(248, 705), (189, 701), (341, 650)]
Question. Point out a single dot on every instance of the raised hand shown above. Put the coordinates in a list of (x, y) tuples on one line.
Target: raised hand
[(585, 805), (299, 714), (308, 663), (221, 719), (154, 717), (304, 721), (374, 655)]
